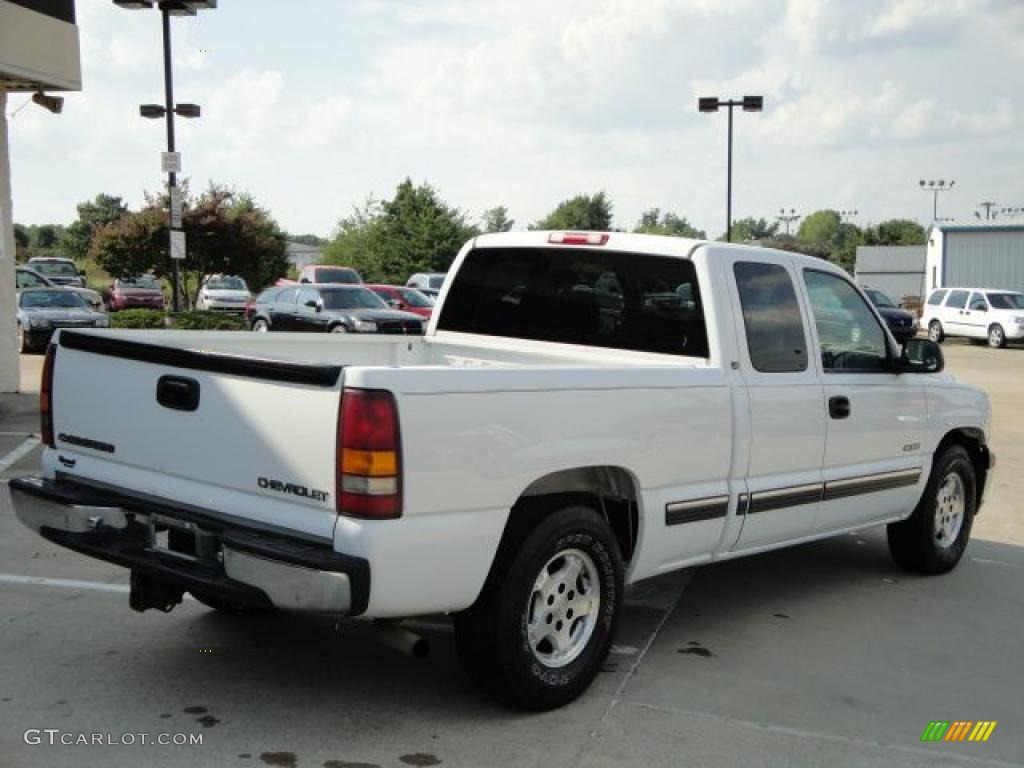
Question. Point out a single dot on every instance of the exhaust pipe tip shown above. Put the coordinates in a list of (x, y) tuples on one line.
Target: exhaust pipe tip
[(391, 635)]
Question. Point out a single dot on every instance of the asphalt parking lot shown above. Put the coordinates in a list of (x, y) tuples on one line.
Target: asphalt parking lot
[(820, 655)]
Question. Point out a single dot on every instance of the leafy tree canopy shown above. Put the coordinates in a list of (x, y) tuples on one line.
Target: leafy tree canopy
[(225, 232), (654, 222), (584, 212), (496, 220), (895, 232), (389, 240), (752, 229), (92, 214)]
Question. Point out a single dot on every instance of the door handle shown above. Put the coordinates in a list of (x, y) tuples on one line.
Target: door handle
[(839, 407)]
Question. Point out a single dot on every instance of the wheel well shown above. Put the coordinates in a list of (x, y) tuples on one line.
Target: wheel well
[(609, 491), (973, 441)]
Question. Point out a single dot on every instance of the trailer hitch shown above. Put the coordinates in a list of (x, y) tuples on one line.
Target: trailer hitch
[(150, 591)]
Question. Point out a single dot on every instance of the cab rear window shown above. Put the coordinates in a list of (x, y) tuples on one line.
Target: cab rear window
[(594, 298)]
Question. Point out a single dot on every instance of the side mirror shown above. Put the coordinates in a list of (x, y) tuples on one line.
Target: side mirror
[(920, 356), (313, 304)]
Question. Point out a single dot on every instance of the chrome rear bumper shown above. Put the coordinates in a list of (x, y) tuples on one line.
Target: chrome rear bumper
[(236, 564)]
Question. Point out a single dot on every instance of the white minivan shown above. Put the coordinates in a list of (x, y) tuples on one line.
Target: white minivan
[(977, 313)]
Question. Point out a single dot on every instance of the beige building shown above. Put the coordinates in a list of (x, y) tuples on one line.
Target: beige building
[(38, 53)]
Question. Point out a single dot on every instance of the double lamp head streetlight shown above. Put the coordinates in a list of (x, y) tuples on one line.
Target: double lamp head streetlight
[(712, 104), (168, 110)]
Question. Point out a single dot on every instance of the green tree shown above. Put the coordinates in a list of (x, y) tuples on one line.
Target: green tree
[(21, 236), (750, 228), (826, 231), (895, 232), (306, 239), (389, 240), (654, 222), (102, 210), (585, 212), (225, 232), (496, 220)]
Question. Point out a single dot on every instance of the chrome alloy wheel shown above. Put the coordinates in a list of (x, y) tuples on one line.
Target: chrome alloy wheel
[(949, 510), (563, 608)]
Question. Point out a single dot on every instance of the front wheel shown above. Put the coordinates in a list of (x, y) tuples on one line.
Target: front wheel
[(935, 332), (544, 622), (260, 326), (934, 537), (339, 329), (996, 337)]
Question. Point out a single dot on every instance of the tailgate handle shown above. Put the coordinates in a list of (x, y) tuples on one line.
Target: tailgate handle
[(178, 392)]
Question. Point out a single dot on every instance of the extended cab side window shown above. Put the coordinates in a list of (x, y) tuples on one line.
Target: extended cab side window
[(579, 296), (850, 336), (771, 317), (936, 298)]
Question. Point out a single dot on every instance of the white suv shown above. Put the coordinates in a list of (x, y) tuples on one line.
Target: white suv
[(977, 313)]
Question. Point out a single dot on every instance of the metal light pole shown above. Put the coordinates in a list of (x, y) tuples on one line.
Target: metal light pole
[(787, 218), (988, 205), (935, 187), (167, 9), (712, 104)]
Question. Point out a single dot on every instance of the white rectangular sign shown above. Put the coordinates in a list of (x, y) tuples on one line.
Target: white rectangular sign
[(170, 162), (175, 208), (177, 244)]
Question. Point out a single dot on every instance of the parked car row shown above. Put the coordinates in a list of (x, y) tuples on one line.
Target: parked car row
[(329, 308)]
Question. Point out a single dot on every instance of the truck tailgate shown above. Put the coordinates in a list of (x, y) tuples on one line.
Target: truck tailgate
[(238, 436)]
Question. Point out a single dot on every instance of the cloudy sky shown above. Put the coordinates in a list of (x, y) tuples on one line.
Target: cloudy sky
[(311, 105)]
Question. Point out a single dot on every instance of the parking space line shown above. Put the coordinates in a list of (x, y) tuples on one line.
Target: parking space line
[(22, 450), (95, 586)]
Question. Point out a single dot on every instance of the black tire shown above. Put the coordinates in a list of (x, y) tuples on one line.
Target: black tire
[(257, 323), (916, 544), (935, 332), (492, 637), (337, 328), (996, 336)]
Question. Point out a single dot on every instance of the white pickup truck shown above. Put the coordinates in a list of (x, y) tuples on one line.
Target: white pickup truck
[(585, 410)]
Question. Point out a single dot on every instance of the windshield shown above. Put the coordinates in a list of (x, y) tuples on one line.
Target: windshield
[(1006, 300), (142, 281), (880, 300), (436, 281), (226, 284), (352, 298), (338, 275), (414, 298), (58, 268), (52, 300)]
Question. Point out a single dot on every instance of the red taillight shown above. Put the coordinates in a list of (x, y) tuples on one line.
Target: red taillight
[(369, 455), (46, 397), (578, 238)]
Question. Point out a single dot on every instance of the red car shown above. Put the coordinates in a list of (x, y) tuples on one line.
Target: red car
[(407, 299), (134, 293)]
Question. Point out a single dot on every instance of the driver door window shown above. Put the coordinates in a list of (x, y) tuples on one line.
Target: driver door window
[(849, 335)]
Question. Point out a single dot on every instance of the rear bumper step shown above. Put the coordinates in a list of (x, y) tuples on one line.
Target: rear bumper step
[(229, 562)]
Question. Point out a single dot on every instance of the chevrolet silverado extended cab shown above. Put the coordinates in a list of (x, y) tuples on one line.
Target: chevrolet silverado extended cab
[(585, 410)]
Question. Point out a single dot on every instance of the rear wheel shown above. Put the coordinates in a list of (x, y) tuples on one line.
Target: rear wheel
[(543, 624), (935, 332), (933, 539), (339, 329), (996, 336)]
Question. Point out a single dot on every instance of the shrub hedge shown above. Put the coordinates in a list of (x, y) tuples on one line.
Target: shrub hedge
[(183, 321)]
